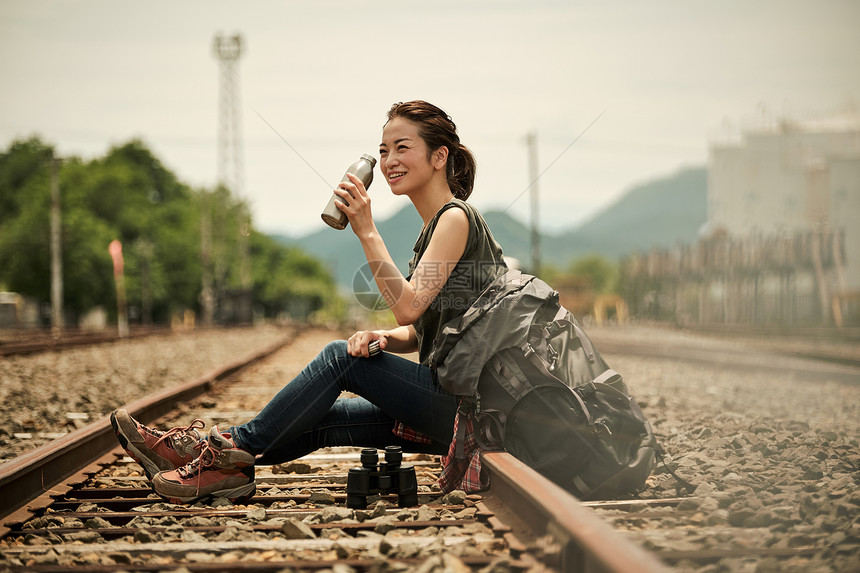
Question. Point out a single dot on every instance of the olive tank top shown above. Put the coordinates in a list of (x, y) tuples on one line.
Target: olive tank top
[(480, 264)]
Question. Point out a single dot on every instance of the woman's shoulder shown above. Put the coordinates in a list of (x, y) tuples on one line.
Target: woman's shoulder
[(454, 213), (472, 213), (451, 214)]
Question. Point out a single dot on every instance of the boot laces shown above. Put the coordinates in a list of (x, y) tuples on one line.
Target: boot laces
[(207, 458), (176, 433)]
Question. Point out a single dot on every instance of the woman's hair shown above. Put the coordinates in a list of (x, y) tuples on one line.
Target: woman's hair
[(437, 128)]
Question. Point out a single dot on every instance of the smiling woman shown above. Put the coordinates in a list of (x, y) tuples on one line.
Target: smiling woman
[(399, 402)]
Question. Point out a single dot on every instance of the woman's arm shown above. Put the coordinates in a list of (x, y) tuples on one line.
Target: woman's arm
[(400, 340), (407, 299)]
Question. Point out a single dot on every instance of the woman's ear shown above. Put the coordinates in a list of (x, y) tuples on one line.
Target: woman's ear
[(440, 157)]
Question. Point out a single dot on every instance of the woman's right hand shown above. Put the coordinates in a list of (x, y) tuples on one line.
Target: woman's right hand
[(358, 343)]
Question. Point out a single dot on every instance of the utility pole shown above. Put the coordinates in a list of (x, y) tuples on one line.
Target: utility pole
[(531, 141), (207, 291), (145, 250), (56, 250), (115, 250)]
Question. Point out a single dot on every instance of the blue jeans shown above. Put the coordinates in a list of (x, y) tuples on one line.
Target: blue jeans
[(308, 413)]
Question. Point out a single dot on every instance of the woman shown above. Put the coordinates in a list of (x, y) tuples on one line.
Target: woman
[(400, 403)]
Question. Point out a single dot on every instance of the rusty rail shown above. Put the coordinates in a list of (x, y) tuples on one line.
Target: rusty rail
[(31, 343), (588, 544)]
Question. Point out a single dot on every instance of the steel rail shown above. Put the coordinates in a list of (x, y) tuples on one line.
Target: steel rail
[(31, 474), (588, 544), (741, 359), (46, 343)]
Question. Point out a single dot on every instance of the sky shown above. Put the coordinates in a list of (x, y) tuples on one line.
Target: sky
[(617, 93)]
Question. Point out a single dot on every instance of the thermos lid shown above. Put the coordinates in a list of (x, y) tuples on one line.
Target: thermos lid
[(370, 158)]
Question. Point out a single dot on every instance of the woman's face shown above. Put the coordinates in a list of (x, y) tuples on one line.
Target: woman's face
[(403, 157)]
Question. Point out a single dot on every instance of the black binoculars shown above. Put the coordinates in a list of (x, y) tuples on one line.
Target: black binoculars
[(374, 477)]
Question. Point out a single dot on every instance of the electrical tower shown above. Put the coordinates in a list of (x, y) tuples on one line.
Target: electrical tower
[(228, 50)]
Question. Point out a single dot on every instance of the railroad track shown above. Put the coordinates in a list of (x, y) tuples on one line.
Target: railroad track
[(24, 342), (81, 504), (31, 342)]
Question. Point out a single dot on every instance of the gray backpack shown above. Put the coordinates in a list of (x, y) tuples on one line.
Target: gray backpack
[(538, 388)]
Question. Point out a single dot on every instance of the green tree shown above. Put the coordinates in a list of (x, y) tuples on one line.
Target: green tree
[(130, 196), (25, 218), (287, 280)]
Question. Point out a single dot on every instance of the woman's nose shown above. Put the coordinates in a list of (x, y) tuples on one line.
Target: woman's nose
[(386, 165)]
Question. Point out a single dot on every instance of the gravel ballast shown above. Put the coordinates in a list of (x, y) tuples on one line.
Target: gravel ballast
[(773, 451), (48, 394), (772, 445)]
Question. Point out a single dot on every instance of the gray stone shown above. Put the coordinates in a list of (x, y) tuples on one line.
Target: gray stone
[(295, 529), (33, 539), (256, 514), (321, 497), (331, 514), (334, 533), (456, 497), (425, 513), (97, 523), (83, 536), (759, 519), (197, 521), (143, 536), (120, 557), (292, 468), (738, 517), (88, 507), (191, 537), (384, 524)]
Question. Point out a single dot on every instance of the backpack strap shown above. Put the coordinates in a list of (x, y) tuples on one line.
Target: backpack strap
[(561, 313), (684, 484), (464, 411), (509, 375), (490, 429), (587, 346), (607, 377)]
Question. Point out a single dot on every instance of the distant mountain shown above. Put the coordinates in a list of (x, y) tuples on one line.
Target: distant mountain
[(659, 213)]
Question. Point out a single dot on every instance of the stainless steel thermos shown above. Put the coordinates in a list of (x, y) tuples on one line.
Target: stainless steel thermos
[(363, 169)]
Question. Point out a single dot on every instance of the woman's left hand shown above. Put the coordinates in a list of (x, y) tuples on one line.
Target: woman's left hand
[(358, 209), (359, 343)]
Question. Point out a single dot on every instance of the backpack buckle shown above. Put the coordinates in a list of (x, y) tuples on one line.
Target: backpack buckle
[(466, 407), (586, 390), (603, 426), (553, 357)]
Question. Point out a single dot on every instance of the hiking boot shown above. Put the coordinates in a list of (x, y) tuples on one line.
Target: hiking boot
[(221, 470), (156, 450)]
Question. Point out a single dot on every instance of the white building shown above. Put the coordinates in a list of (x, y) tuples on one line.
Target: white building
[(791, 178)]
